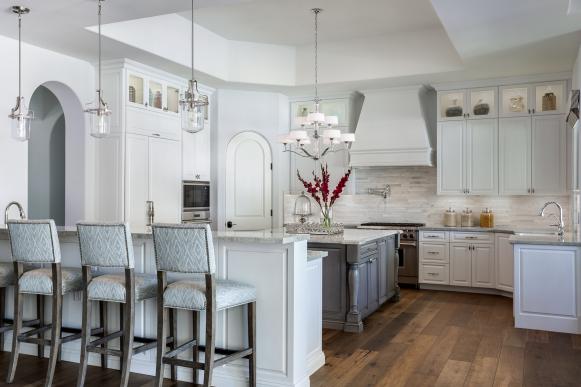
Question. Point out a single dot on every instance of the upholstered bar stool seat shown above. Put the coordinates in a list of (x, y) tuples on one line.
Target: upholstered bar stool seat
[(39, 281), (6, 274), (191, 294), (111, 287)]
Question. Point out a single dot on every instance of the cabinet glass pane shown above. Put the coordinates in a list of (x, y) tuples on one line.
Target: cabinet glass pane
[(135, 94), (548, 98), (173, 97), (515, 100), (452, 104), (155, 95), (482, 103)]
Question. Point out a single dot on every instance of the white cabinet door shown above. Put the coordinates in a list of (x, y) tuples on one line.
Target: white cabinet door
[(504, 263), (482, 157), (548, 155), (165, 179), (137, 180), (451, 176), (460, 264), (515, 155), (202, 154), (483, 266), (188, 155)]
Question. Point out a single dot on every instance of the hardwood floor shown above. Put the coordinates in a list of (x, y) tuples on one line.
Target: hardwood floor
[(435, 338), (427, 339)]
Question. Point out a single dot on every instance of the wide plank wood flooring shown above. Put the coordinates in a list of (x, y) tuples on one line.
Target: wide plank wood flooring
[(452, 339), (427, 339)]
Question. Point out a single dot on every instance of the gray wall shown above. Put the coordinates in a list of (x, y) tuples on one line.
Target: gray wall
[(46, 158)]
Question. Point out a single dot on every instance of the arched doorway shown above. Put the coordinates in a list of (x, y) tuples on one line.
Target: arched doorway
[(248, 182), (56, 155)]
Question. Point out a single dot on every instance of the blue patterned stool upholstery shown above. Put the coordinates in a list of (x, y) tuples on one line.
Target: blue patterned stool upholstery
[(39, 281), (110, 246), (188, 248)]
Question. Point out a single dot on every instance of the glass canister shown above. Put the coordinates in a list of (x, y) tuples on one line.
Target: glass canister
[(466, 218), (487, 218), (450, 218)]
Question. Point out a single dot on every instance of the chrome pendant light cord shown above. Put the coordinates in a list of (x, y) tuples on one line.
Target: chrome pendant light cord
[(316, 11), (19, 59), (192, 39), (99, 21)]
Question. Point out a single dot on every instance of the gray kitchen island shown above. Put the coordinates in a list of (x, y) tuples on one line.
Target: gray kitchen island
[(359, 275)]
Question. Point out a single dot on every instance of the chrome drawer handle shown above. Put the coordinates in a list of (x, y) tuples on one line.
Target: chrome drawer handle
[(432, 236), (471, 237), (434, 252), (432, 273)]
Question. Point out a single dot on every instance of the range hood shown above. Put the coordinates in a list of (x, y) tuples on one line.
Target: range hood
[(396, 127)]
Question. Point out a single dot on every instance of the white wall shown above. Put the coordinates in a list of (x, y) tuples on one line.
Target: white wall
[(39, 67), (260, 112)]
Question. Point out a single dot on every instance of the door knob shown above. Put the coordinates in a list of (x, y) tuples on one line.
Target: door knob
[(229, 224)]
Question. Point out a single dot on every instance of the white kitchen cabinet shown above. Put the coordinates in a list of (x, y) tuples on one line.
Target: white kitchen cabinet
[(467, 157), (515, 155), (460, 264), (547, 288), (433, 273), (504, 262), (457, 105), (196, 150), (451, 139), (153, 166), (548, 155), (532, 157), (483, 266)]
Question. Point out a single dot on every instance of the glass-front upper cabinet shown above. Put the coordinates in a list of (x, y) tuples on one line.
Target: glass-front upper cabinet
[(549, 98), (136, 87), (451, 105), (155, 95), (482, 103), (172, 96), (515, 100)]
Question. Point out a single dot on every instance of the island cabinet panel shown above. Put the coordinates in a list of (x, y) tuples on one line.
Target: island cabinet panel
[(357, 280)]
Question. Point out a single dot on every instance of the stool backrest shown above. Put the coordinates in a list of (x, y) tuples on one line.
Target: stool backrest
[(184, 248), (34, 241), (106, 245)]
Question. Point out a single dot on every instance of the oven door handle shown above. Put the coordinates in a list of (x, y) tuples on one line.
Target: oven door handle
[(415, 244)]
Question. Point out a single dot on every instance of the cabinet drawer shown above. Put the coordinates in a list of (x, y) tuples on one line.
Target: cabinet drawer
[(485, 237), (434, 274), (434, 236), (434, 252), (368, 250)]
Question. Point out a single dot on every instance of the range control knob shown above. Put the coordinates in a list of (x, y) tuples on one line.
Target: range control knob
[(404, 236)]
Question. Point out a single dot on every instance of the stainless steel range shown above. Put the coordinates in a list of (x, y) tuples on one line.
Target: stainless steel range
[(408, 248)]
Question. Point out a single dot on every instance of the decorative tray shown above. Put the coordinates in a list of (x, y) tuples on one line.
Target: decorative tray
[(315, 229)]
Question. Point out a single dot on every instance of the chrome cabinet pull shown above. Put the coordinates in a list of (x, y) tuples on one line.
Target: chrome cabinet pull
[(432, 273), (433, 252)]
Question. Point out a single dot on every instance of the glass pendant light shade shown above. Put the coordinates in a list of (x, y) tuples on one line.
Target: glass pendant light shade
[(21, 120), (194, 109)]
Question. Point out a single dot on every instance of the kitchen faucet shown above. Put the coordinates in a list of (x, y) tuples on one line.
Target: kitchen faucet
[(20, 210), (560, 225)]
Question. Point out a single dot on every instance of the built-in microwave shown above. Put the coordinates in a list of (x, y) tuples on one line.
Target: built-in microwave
[(195, 201)]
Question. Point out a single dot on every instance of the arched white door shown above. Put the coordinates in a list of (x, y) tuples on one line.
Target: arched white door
[(248, 183)]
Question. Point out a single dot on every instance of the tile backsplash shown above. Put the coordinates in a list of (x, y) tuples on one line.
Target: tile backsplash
[(414, 199)]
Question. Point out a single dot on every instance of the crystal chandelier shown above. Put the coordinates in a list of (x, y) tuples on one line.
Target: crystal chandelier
[(193, 105), (20, 115), (316, 146), (98, 110)]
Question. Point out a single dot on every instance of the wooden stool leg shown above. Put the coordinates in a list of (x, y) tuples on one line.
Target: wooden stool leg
[(128, 323), (173, 333), (196, 348), (2, 315), (86, 333), (252, 343), (57, 313), (103, 323), (121, 328), (40, 317), (210, 329), (17, 325), (161, 323)]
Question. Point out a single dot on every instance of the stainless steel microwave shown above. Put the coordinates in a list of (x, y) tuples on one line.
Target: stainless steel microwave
[(195, 196)]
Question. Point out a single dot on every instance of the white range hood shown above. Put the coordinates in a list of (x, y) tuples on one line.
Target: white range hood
[(397, 127)]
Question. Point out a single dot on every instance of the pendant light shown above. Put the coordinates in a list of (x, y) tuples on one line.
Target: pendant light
[(20, 115), (193, 105), (316, 146), (99, 111)]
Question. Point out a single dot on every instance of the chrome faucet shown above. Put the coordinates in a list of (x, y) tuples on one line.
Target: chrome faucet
[(561, 224), (150, 213), (20, 210)]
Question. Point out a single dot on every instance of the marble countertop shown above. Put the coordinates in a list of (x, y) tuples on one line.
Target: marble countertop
[(353, 236), (276, 236), (568, 239), (316, 254)]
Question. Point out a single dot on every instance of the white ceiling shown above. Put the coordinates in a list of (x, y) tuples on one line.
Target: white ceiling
[(290, 22), (465, 39)]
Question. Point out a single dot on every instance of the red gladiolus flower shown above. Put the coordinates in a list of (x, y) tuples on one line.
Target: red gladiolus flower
[(319, 188)]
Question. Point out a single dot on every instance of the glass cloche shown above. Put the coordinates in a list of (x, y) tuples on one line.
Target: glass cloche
[(303, 207)]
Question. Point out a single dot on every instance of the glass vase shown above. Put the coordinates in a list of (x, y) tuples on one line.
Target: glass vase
[(327, 217)]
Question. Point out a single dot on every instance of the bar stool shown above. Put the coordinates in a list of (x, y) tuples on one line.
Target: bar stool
[(189, 249), (109, 245), (36, 242)]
